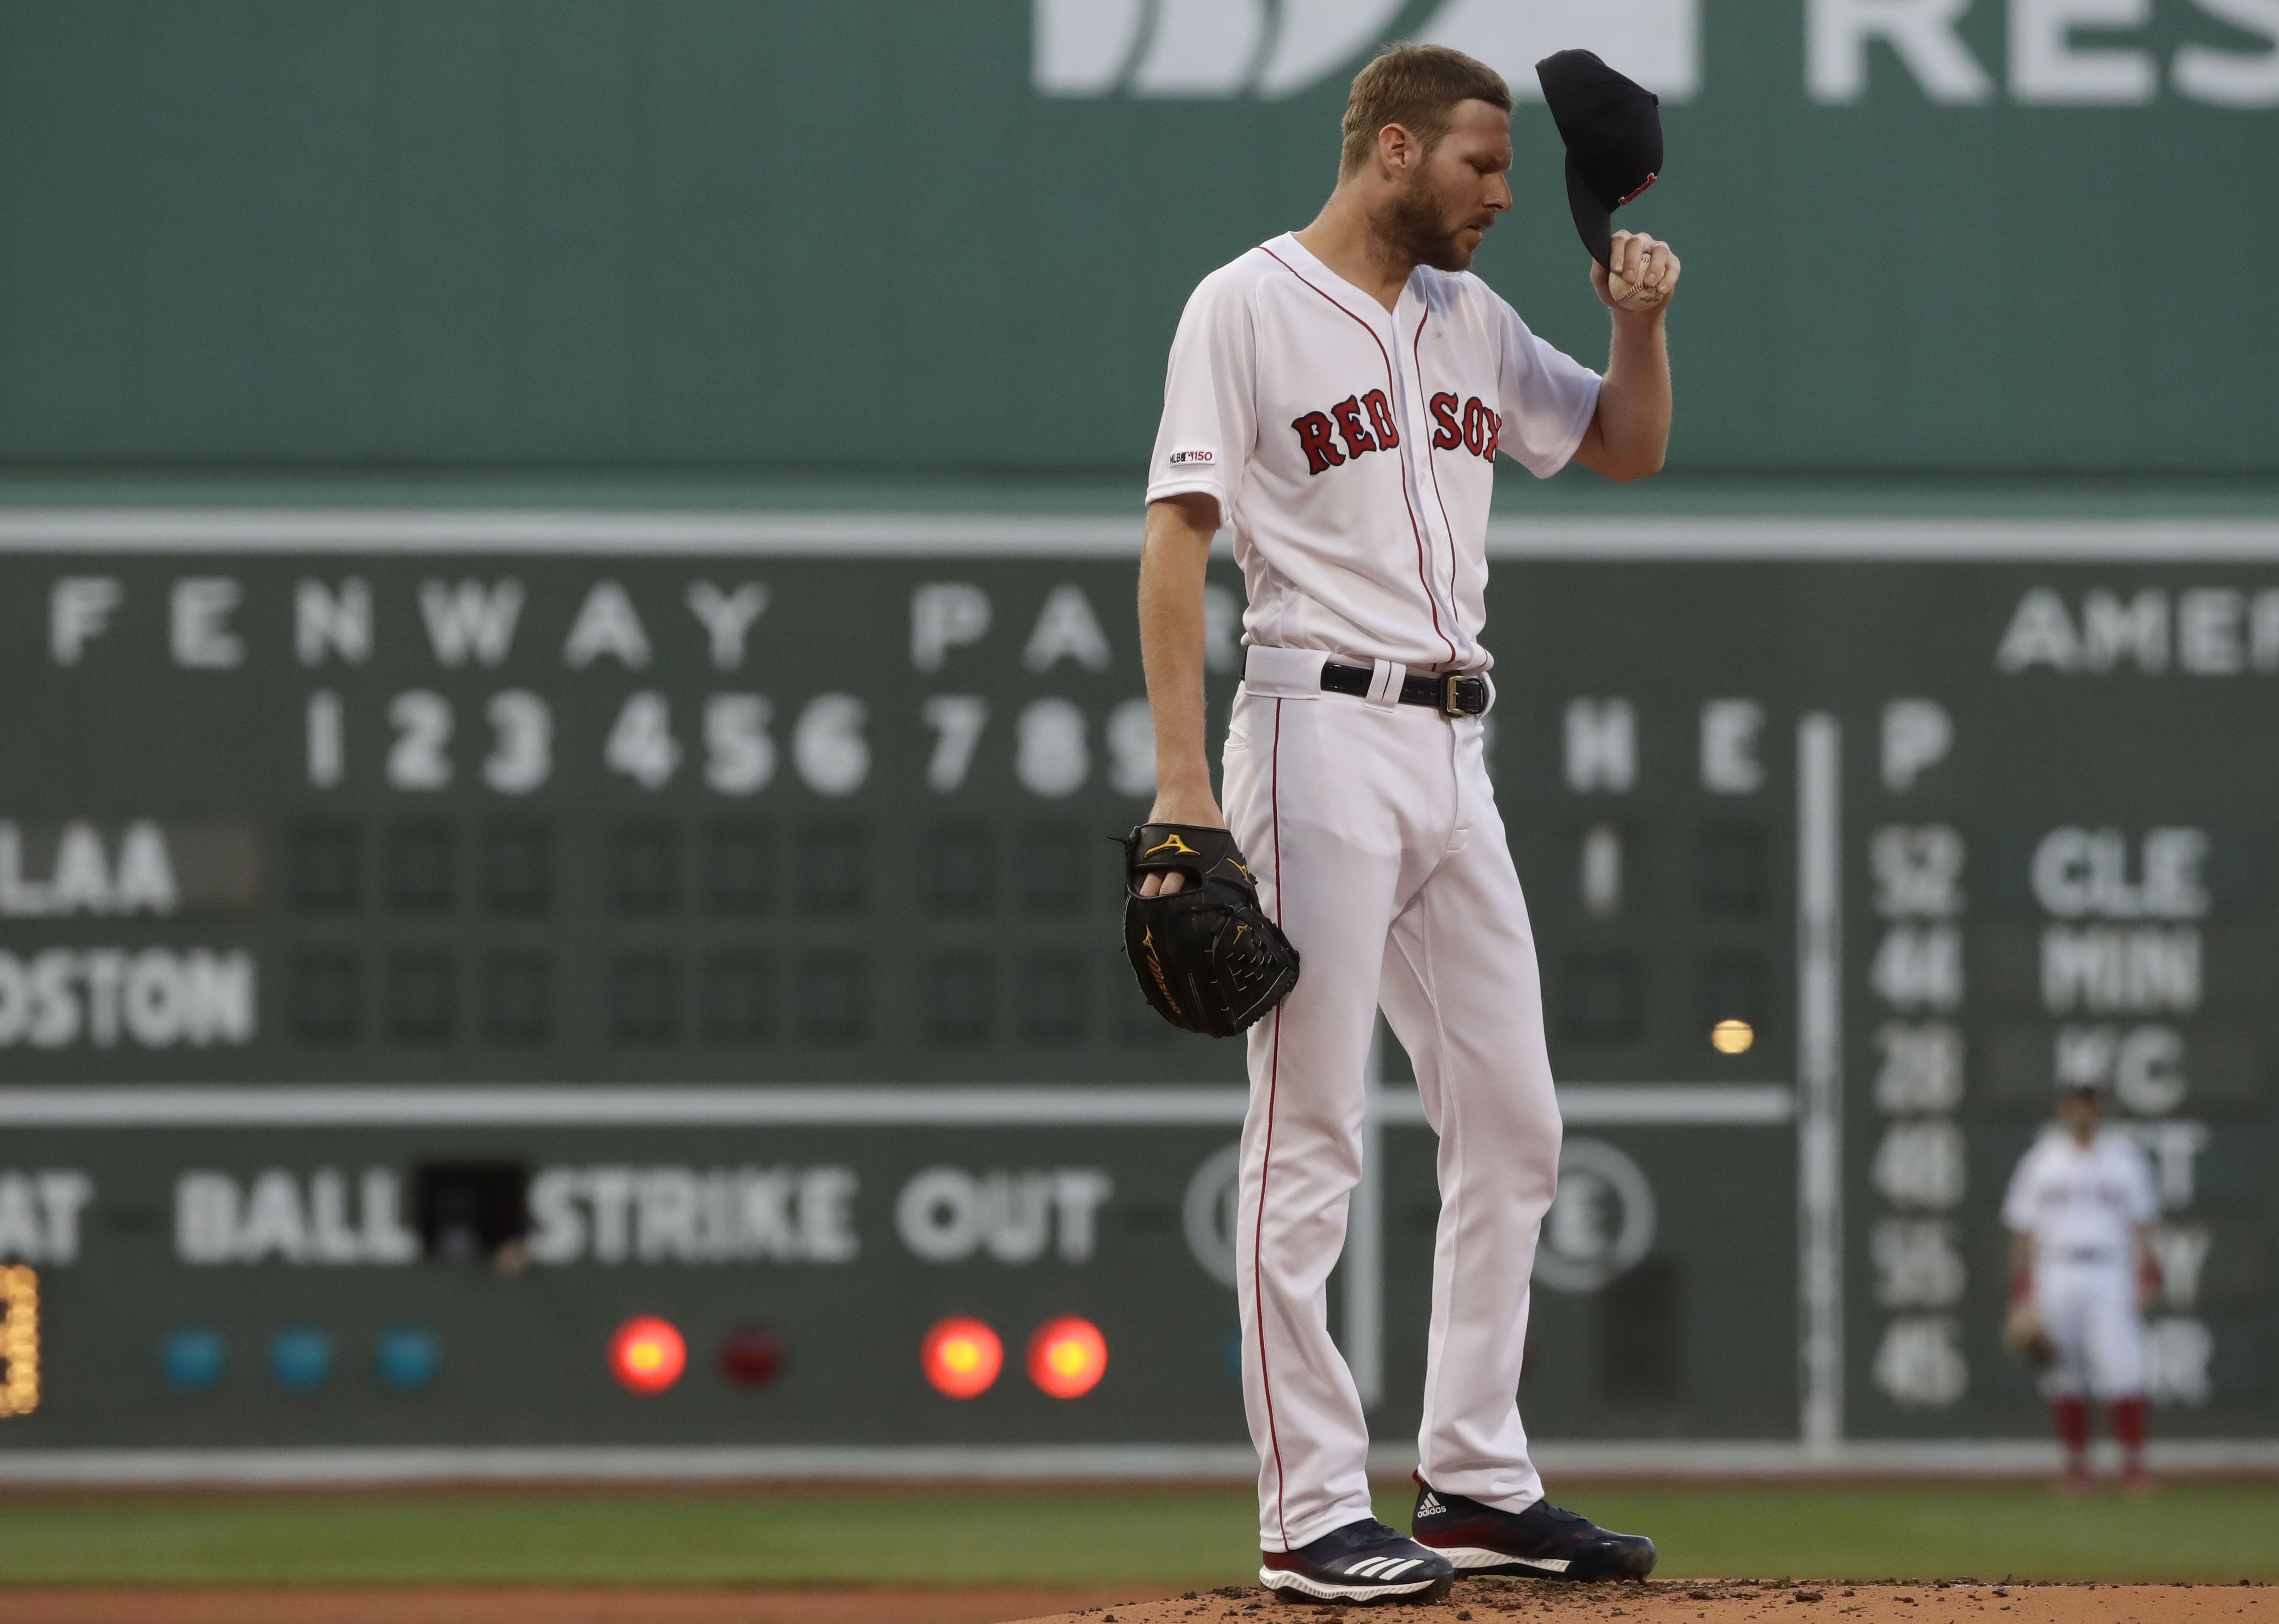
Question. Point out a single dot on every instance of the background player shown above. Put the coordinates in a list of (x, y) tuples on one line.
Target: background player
[(2079, 1211), (1336, 396)]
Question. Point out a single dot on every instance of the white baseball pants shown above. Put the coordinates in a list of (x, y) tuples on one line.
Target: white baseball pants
[(1372, 830), (2097, 1336)]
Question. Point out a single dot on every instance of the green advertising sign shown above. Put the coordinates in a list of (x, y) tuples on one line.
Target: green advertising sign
[(2006, 236)]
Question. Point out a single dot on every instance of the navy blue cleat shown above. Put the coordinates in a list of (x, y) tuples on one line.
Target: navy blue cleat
[(1363, 1561), (1542, 1541)]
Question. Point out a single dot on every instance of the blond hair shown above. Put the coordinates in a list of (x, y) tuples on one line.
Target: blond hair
[(1419, 87)]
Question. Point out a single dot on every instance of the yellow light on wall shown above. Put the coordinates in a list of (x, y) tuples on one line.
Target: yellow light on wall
[(1067, 1357), (1732, 1036), (19, 1340), (647, 1354), (961, 1356)]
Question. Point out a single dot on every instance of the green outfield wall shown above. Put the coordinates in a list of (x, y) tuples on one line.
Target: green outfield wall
[(1921, 235), (430, 941)]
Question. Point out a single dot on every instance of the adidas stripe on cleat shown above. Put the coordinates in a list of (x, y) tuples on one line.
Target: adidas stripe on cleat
[(1362, 1561), (1542, 1541)]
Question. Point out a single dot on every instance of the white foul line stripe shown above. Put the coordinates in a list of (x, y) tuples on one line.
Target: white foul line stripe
[(900, 1105)]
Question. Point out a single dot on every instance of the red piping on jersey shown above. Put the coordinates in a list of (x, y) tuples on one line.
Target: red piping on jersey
[(1416, 351), (1394, 384), (1266, 1157)]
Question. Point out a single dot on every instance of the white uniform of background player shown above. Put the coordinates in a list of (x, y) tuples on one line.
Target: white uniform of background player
[(1351, 450), (2081, 1206)]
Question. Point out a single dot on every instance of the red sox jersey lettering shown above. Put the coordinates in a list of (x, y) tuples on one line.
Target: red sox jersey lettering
[(1477, 433), (1314, 431)]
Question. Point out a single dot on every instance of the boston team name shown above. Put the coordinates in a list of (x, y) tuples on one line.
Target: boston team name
[(1478, 433), (1319, 433)]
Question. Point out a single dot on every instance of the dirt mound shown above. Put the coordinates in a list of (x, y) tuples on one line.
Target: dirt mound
[(1475, 1601), (1727, 1601)]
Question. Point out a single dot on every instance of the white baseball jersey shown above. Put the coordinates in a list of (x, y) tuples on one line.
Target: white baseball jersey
[(1352, 449), (2082, 1204)]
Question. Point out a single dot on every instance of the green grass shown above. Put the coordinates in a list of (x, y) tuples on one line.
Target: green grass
[(1082, 1536)]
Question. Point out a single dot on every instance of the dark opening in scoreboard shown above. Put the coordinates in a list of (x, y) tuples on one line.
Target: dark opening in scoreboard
[(617, 983)]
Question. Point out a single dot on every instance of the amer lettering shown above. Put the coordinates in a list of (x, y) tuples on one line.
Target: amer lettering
[(2200, 632)]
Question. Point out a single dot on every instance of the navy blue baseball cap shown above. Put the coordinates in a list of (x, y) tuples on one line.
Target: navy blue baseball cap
[(1611, 126)]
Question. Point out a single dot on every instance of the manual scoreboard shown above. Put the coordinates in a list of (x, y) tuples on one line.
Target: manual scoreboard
[(590, 983)]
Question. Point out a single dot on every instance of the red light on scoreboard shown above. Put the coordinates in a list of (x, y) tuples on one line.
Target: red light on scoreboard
[(1067, 1357), (648, 1355), (751, 1356), (962, 1357)]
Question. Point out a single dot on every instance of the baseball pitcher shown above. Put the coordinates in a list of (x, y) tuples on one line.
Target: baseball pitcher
[(1337, 397)]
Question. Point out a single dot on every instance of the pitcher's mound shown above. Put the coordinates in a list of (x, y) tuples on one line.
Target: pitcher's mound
[(1727, 1601)]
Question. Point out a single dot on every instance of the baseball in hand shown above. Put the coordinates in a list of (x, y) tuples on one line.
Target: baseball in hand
[(1632, 296), (1640, 275)]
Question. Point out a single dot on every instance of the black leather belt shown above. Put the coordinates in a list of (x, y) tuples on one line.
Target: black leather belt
[(1456, 695)]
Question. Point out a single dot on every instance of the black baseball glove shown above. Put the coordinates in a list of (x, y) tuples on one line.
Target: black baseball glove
[(1207, 956)]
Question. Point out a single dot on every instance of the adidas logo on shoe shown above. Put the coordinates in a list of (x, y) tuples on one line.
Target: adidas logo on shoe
[(1362, 1561), (1383, 1569), (1429, 1505)]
